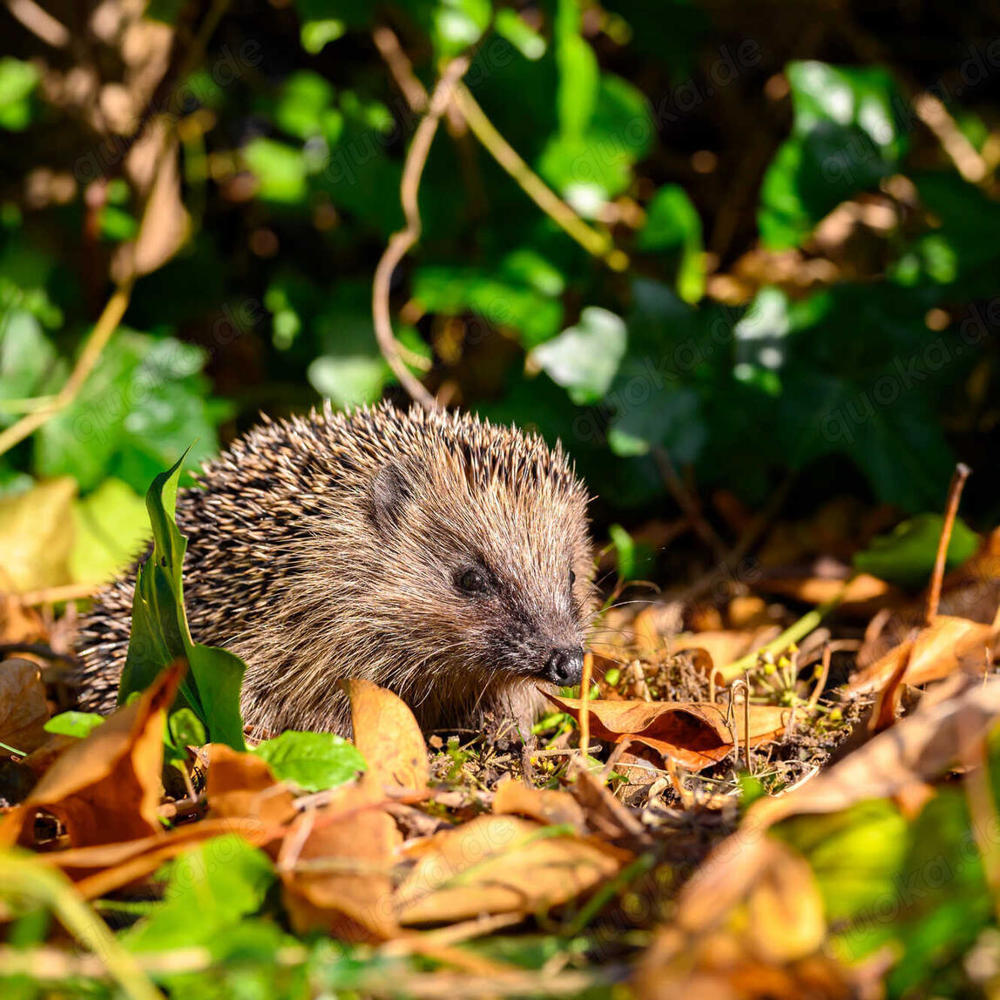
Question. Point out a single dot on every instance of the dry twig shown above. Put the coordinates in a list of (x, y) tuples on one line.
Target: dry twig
[(400, 243)]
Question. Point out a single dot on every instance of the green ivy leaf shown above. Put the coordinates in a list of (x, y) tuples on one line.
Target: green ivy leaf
[(314, 761), (281, 170), (18, 80), (584, 358), (78, 724), (906, 555), (109, 527), (844, 138), (210, 889), (673, 224)]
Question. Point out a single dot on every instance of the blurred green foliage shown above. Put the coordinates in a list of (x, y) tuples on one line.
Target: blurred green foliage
[(811, 271)]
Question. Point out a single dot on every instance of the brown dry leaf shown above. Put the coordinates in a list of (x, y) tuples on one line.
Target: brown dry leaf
[(863, 594), (106, 787), (605, 814), (336, 867), (36, 535), (103, 868), (751, 923), (23, 709), (19, 623), (785, 909), (941, 732), (501, 864), (152, 163), (695, 734), (945, 646), (726, 645), (545, 805), (721, 966), (388, 737), (241, 785)]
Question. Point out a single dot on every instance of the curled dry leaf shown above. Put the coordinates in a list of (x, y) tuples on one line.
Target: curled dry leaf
[(241, 786), (545, 805), (721, 966), (695, 734), (23, 709), (336, 864), (102, 868), (919, 747), (501, 864), (946, 645), (388, 737), (106, 787), (725, 645)]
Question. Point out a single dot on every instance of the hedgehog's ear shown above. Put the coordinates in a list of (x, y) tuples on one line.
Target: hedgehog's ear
[(390, 491)]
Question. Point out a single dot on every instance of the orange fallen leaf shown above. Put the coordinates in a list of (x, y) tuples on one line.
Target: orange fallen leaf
[(241, 785), (103, 868), (388, 736), (946, 645), (545, 805), (726, 645), (335, 865), (695, 734), (23, 709), (501, 864), (105, 787)]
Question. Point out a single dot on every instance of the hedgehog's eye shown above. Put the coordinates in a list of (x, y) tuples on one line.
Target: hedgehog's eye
[(572, 579), (473, 581)]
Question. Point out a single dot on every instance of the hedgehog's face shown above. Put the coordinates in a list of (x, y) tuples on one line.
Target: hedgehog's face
[(495, 582)]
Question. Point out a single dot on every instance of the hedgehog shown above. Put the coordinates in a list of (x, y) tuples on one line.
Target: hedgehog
[(443, 557)]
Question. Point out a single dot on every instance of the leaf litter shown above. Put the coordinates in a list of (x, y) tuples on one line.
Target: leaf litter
[(749, 800)]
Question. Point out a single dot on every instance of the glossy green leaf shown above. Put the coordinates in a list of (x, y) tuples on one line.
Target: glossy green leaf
[(110, 527), (584, 358), (78, 724), (209, 889), (845, 137), (313, 761), (18, 80), (906, 555)]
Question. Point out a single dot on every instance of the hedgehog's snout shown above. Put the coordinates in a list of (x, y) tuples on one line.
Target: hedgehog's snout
[(564, 666)]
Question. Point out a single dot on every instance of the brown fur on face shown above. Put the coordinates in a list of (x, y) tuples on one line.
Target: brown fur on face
[(432, 553)]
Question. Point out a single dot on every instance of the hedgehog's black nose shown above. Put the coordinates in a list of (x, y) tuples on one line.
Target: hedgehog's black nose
[(564, 666)]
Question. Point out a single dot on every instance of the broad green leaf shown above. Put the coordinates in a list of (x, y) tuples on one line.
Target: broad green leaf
[(110, 527), (280, 170), (845, 137), (79, 724), (584, 358), (314, 761), (349, 380), (506, 303), (673, 224), (160, 633), (670, 418), (26, 356), (906, 555), (17, 81), (588, 167), (209, 889), (142, 405)]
